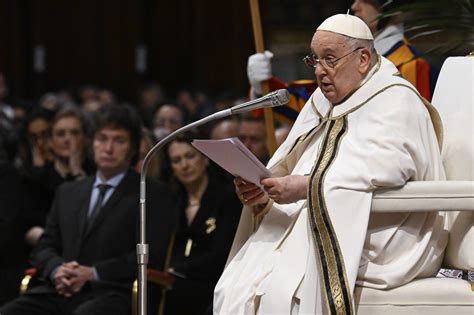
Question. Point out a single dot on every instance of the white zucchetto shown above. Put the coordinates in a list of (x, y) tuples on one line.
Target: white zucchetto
[(348, 25)]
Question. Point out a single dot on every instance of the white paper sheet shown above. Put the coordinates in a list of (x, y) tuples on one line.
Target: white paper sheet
[(233, 156)]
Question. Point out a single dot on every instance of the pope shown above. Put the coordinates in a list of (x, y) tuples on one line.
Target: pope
[(307, 238)]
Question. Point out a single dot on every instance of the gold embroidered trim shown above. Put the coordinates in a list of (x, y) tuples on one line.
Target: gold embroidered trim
[(329, 255)]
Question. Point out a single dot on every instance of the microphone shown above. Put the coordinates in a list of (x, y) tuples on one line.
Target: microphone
[(273, 99)]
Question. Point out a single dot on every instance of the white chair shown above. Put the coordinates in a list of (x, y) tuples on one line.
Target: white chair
[(454, 100)]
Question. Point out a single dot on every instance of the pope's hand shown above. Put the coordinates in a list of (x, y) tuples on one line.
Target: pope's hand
[(286, 189), (259, 68), (249, 193)]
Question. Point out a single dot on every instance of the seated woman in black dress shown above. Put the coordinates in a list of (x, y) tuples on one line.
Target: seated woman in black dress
[(209, 212)]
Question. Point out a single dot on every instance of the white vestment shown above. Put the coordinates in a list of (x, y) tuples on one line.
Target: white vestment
[(306, 257)]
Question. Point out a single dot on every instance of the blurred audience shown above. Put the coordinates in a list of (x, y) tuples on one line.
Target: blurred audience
[(87, 253), (46, 155)]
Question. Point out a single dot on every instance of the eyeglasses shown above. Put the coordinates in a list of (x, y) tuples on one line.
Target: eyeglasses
[(327, 62)]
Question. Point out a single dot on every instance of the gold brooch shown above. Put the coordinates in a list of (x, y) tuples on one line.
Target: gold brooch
[(211, 225)]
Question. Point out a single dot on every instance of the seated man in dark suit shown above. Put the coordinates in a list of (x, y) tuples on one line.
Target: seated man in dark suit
[(87, 253)]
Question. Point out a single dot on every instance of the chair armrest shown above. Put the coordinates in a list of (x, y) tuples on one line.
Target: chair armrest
[(163, 279), (25, 282), (421, 196)]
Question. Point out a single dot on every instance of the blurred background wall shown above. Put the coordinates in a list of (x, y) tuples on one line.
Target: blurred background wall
[(121, 44)]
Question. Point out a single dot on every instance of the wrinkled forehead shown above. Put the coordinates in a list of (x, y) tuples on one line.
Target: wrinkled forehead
[(328, 42)]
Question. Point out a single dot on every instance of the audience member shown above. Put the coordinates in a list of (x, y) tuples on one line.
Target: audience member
[(21, 108), (87, 93), (150, 96), (69, 163), (65, 97), (50, 102), (87, 253), (186, 100), (209, 212), (147, 142), (225, 128), (252, 134), (168, 118), (106, 97), (35, 147), (88, 99), (204, 104)]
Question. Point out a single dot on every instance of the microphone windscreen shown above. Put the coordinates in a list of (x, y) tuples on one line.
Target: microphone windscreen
[(282, 98)]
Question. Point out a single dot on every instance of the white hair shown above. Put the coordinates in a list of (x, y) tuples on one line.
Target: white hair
[(366, 43)]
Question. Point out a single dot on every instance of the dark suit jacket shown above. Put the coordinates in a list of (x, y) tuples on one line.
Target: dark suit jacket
[(109, 245), (39, 185)]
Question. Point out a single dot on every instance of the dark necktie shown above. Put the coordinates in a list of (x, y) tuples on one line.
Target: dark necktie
[(98, 204)]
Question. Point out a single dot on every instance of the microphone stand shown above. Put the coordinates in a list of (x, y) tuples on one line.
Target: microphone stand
[(142, 247)]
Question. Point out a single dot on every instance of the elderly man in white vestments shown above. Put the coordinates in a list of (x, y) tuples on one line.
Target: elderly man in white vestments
[(308, 238)]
